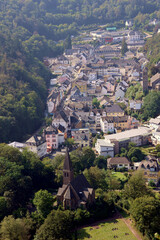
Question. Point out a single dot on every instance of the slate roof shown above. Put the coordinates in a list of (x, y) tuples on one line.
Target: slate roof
[(66, 83), (51, 129), (109, 120), (114, 109), (117, 160), (61, 128), (61, 114), (80, 184)]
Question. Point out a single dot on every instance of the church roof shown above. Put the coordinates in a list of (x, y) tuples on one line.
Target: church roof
[(80, 184)]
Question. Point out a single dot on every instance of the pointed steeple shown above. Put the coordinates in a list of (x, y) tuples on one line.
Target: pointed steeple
[(67, 169), (67, 162)]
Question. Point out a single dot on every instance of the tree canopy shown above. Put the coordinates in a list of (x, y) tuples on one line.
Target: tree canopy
[(151, 106), (146, 212)]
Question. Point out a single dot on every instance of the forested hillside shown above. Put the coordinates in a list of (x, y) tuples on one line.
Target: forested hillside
[(29, 30)]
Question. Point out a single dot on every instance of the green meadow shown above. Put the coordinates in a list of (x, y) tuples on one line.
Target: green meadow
[(115, 229)]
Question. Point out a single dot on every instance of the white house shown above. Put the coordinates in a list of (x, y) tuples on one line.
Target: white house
[(104, 148), (136, 105), (60, 118), (61, 139), (38, 145), (118, 162), (106, 125)]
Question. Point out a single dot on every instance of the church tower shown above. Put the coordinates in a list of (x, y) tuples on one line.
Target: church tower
[(67, 169)]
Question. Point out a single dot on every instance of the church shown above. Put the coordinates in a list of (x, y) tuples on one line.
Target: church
[(75, 192)]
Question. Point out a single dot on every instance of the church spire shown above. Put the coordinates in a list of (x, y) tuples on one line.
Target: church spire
[(67, 169)]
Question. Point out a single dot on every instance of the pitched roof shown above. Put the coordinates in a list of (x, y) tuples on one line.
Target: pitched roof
[(80, 184), (117, 160), (155, 77), (61, 128), (61, 114), (36, 139), (51, 129), (109, 120), (114, 109)]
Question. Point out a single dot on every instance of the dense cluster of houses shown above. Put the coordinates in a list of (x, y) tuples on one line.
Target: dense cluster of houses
[(84, 73)]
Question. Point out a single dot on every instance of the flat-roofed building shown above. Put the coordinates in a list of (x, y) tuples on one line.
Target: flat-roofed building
[(114, 142)]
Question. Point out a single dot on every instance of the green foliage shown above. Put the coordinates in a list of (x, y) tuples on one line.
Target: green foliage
[(3, 207), (131, 144), (146, 212), (122, 105), (151, 106), (69, 142), (151, 48), (123, 152), (95, 103), (14, 229), (81, 216), (100, 162), (43, 200), (102, 179), (96, 177), (151, 183), (21, 175), (67, 43), (158, 147), (112, 181), (82, 159), (135, 92), (57, 225), (135, 154), (136, 186), (88, 157)]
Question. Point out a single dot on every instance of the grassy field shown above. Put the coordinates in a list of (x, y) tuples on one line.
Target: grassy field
[(112, 230), (119, 175)]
